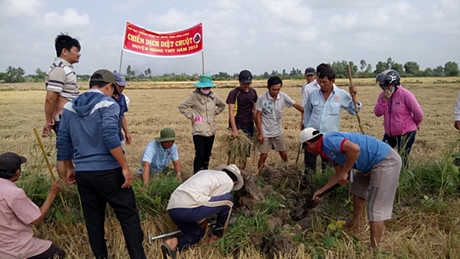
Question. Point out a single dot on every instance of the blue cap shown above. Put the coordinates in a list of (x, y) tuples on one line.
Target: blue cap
[(205, 81), (120, 79)]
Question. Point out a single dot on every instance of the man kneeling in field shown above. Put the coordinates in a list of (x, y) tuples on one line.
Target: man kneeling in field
[(204, 194)]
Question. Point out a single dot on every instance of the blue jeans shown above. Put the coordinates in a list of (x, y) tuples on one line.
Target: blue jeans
[(96, 189)]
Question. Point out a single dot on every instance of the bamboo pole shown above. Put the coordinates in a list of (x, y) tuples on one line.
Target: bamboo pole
[(355, 99), (52, 174)]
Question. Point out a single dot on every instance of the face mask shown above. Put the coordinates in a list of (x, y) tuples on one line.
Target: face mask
[(205, 92)]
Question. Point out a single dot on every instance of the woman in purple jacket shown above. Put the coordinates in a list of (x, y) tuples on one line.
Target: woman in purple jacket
[(401, 112)]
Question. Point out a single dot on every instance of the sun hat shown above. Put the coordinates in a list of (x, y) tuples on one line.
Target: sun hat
[(233, 169), (9, 164), (120, 79), (309, 71), (245, 77), (205, 82), (104, 75), (309, 134), (166, 134)]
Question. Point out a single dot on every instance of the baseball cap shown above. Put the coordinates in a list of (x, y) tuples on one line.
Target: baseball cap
[(310, 71), (308, 134), (9, 164), (120, 79), (104, 75), (245, 77)]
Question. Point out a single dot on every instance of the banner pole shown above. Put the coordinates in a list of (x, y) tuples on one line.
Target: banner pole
[(202, 61), (121, 60)]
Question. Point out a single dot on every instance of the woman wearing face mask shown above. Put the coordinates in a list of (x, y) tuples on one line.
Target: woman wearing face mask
[(401, 112), (200, 107)]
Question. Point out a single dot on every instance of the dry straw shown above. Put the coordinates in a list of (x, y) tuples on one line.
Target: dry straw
[(236, 147)]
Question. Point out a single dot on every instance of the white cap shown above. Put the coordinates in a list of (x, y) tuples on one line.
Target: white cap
[(308, 134)]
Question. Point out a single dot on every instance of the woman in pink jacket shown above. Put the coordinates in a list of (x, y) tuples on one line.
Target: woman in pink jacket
[(401, 112)]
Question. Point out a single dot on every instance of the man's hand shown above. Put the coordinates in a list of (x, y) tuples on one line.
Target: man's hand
[(70, 179), (56, 187), (343, 178), (179, 176), (353, 90), (128, 138), (47, 129), (234, 133), (302, 127), (128, 178), (317, 196), (260, 138), (457, 125)]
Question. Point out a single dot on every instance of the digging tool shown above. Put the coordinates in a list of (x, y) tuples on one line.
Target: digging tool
[(51, 172), (311, 203), (355, 100), (298, 153), (151, 238)]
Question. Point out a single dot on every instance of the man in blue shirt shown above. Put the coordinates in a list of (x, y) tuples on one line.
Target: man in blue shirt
[(89, 134), (158, 154), (374, 185), (123, 102), (323, 106)]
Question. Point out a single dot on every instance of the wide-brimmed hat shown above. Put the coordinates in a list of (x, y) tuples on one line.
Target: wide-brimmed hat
[(233, 169), (166, 134), (205, 82), (10, 163)]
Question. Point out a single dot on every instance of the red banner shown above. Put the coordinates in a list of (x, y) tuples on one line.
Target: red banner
[(181, 43)]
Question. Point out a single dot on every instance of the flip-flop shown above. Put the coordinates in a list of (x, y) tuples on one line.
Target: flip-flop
[(167, 252)]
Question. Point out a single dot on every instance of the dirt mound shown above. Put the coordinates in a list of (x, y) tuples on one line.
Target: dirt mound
[(288, 188)]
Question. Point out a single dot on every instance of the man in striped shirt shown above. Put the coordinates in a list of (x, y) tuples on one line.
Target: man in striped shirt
[(61, 85)]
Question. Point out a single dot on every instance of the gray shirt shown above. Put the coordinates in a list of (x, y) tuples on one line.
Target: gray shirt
[(272, 112)]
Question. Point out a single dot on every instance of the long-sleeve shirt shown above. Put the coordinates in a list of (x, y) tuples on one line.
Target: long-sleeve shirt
[(200, 188), (401, 113), (324, 115), (202, 110), (88, 131)]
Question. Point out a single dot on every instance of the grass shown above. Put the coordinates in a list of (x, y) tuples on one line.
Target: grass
[(425, 222)]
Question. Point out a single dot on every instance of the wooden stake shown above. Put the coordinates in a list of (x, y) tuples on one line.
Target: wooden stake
[(355, 99), (51, 172)]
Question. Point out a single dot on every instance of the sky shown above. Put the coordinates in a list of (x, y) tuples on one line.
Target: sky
[(258, 35)]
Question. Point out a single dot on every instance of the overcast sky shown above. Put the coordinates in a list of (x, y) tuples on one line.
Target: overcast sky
[(259, 35)]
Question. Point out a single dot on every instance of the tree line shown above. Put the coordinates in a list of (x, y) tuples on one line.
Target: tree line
[(361, 70)]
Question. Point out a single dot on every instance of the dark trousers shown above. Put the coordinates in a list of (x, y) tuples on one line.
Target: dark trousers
[(96, 188), (203, 148), (404, 144), (186, 219), (310, 162), (52, 253)]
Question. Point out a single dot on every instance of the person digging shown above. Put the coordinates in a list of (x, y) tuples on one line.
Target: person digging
[(204, 194), (374, 185)]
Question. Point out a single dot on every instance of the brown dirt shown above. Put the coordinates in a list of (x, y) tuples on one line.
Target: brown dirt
[(289, 184)]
